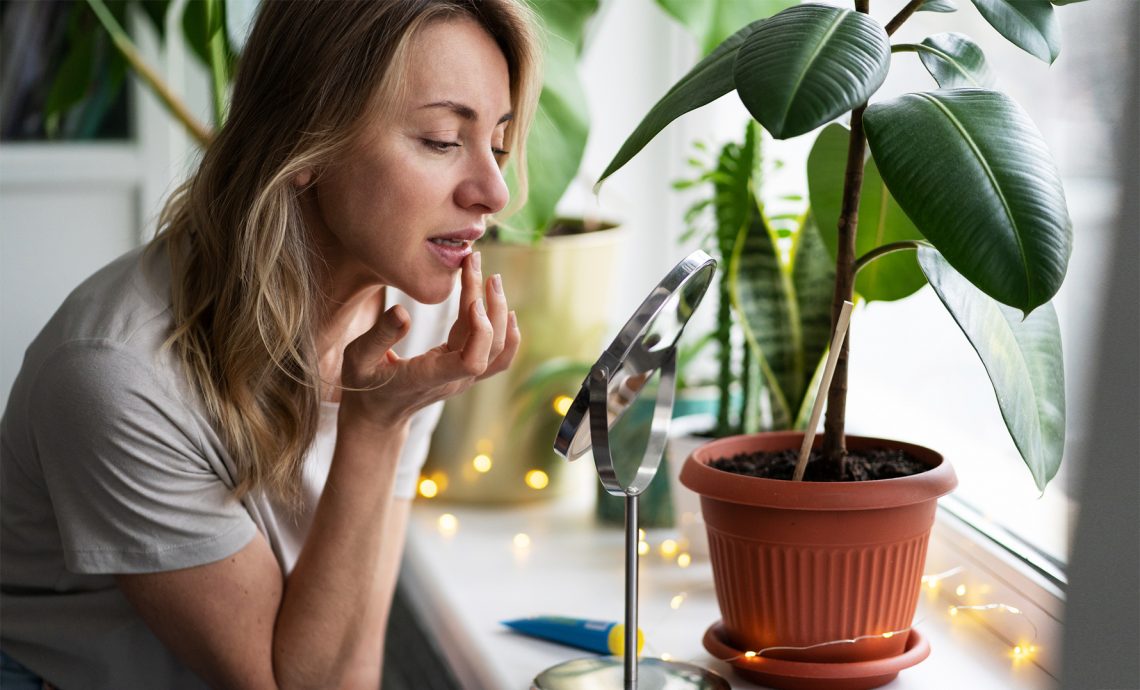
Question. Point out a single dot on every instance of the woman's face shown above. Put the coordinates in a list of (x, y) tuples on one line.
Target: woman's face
[(403, 206)]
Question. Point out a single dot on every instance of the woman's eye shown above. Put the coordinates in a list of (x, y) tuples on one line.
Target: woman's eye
[(500, 153), (441, 146)]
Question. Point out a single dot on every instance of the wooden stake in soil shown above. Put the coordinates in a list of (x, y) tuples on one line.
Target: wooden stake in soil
[(821, 394)]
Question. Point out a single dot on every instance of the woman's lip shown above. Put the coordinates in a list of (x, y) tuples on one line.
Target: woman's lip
[(467, 235), (450, 255)]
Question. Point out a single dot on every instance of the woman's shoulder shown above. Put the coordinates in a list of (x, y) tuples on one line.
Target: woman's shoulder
[(126, 303)]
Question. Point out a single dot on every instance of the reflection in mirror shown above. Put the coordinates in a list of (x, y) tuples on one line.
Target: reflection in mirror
[(629, 434)]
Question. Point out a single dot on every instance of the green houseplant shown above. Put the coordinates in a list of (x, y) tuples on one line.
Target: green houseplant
[(961, 176)]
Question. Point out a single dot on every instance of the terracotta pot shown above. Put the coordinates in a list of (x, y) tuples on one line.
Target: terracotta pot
[(798, 564)]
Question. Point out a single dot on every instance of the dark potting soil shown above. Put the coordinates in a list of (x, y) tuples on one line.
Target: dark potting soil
[(862, 465)]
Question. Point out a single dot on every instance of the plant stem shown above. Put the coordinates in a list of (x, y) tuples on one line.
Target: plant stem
[(834, 441), (885, 249), (834, 426), (903, 15), (216, 50), (130, 53)]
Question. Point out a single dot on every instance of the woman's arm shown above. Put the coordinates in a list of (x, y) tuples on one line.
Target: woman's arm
[(237, 622)]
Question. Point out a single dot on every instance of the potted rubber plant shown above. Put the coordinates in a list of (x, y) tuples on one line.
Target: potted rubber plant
[(492, 444), (819, 579)]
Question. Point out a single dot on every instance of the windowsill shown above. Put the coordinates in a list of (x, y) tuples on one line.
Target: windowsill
[(464, 583)]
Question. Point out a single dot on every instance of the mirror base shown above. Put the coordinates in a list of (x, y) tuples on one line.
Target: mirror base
[(608, 673)]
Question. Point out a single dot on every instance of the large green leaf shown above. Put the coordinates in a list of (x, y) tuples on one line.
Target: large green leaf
[(707, 81), (764, 299), (784, 310), (937, 6), (954, 61), (813, 277), (808, 65), (881, 220), (712, 21), (557, 138), (1023, 360), (971, 170), (1031, 25)]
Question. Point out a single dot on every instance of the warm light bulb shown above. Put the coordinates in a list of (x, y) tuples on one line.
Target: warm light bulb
[(675, 602), (428, 488), (641, 535), (749, 655), (684, 560), (537, 479), (562, 404), (522, 540), (888, 635), (953, 610), (642, 548), (482, 463), (960, 590), (440, 479), (668, 548), (448, 524)]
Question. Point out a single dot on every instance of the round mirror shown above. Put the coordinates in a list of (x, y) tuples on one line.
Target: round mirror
[(626, 401)]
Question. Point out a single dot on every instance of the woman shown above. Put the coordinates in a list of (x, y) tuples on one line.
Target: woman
[(209, 453)]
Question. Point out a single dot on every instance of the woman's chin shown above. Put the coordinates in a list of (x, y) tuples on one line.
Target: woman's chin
[(430, 292)]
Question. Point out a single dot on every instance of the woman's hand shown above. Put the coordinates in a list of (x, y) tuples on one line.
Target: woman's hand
[(382, 388)]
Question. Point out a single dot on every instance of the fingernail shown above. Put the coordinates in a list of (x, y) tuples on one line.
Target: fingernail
[(497, 284), (479, 308), (476, 261)]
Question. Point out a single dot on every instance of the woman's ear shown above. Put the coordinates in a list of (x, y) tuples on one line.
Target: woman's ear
[(303, 178)]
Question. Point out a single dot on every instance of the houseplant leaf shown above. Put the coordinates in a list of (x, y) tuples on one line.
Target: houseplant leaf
[(809, 64), (813, 279), (954, 61), (1023, 360), (971, 170), (881, 220), (1031, 25), (762, 295), (561, 125), (712, 21), (707, 81), (937, 6)]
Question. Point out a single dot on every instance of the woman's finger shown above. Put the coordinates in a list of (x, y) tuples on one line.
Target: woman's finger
[(373, 345), (476, 351), (510, 348), (470, 289), (497, 313)]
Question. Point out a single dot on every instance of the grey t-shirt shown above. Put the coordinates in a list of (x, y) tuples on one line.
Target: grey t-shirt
[(108, 464)]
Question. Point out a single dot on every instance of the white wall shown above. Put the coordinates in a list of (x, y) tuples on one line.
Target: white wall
[(66, 209)]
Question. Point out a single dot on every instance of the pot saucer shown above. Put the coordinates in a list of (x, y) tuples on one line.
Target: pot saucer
[(807, 675)]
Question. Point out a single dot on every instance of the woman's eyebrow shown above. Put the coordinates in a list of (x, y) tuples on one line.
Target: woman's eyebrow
[(464, 111)]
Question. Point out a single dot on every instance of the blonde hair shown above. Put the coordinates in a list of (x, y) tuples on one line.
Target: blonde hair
[(243, 292)]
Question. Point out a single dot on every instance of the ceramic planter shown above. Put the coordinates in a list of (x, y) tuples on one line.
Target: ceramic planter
[(811, 574)]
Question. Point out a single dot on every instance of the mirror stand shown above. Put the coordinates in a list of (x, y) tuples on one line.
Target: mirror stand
[(646, 346)]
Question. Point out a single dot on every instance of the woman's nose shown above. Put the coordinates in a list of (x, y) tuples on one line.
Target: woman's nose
[(484, 186)]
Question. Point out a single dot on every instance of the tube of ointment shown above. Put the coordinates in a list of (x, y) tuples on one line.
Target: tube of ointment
[(602, 637)]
